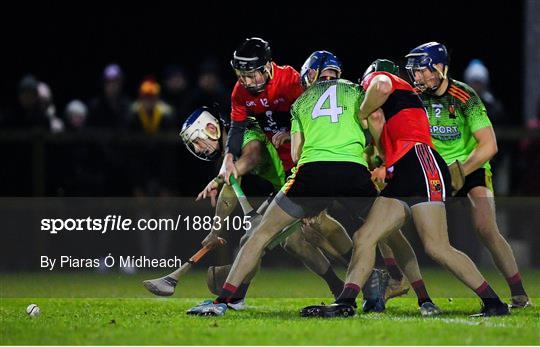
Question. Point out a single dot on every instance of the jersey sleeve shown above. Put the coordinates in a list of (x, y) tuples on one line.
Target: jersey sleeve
[(294, 87), (238, 108), (475, 112), (360, 98), (296, 126)]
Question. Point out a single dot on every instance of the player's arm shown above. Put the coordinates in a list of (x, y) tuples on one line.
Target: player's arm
[(482, 130), (227, 200), (235, 137), (250, 158), (297, 142), (375, 125), (377, 93), (484, 151), (297, 137)]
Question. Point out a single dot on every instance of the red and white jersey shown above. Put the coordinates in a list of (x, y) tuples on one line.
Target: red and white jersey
[(407, 122), (271, 107)]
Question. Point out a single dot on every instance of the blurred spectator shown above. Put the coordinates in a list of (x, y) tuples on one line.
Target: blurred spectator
[(149, 113), (210, 89), (111, 108), (477, 76), (34, 108), (76, 115), (175, 85), (45, 98)]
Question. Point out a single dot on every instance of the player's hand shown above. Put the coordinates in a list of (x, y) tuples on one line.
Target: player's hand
[(458, 175), (210, 191), (228, 168), (212, 239), (378, 176), (362, 115), (364, 123), (280, 138)]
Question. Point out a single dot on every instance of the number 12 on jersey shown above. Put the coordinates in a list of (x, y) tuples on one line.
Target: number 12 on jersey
[(334, 111)]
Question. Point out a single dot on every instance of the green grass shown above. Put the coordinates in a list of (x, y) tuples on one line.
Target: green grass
[(83, 309)]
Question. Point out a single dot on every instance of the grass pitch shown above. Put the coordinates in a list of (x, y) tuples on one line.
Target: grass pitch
[(112, 309)]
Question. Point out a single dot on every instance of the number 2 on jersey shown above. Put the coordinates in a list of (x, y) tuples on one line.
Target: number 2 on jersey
[(334, 111)]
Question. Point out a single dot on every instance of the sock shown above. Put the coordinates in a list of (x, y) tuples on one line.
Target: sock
[(421, 292), (241, 292), (334, 282), (487, 294), (227, 292), (393, 269), (515, 284), (349, 294)]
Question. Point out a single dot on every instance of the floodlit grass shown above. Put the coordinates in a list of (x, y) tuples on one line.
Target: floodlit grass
[(82, 309)]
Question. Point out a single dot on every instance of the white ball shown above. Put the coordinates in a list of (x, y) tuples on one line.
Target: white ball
[(32, 310)]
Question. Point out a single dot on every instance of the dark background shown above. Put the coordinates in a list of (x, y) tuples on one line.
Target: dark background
[(68, 44)]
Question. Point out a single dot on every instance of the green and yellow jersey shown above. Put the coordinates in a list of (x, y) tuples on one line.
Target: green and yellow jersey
[(453, 118)]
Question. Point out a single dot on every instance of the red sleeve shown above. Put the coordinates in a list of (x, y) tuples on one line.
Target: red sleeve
[(294, 87), (238, 106), (369, 78)]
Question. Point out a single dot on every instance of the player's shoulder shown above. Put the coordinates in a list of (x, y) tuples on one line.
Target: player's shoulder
[(349, 87), (347, 83), (461, 91), (284, 70), (398, 82)]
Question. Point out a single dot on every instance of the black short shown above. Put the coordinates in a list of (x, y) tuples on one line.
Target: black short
[(421, 175), (315, 186), (477, 178)]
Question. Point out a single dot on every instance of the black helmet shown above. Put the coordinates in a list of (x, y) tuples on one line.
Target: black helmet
[(252, 54)]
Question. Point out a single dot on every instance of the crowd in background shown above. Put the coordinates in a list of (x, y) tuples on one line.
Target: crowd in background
[(160, 106)]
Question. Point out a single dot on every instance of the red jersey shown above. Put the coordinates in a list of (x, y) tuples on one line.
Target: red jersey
[(271, 107), (407, 122)]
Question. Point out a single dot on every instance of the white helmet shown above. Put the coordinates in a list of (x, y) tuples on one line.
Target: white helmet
[(196, 127)]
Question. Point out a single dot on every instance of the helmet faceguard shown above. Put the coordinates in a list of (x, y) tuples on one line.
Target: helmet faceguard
[(318, 62), (427, 56), (250, 63), (201, 133), (254, 80)]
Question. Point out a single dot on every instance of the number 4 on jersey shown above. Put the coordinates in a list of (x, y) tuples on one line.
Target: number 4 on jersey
[(334, 111)]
